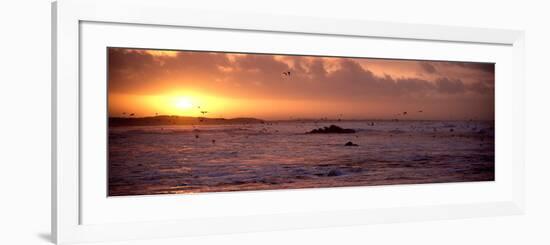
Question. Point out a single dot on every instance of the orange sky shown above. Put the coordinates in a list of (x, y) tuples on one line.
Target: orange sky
[(150, 82)]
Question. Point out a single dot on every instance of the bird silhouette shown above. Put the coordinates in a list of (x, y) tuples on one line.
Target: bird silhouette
[(132, 114), (286, 74)]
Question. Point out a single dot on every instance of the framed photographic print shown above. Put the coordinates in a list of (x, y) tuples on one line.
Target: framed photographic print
[(170, 122), (202, 121)]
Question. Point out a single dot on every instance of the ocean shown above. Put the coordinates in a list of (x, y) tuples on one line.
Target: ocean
[(146, 160)]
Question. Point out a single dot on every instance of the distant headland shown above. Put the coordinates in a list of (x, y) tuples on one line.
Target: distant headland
[(178, 120)]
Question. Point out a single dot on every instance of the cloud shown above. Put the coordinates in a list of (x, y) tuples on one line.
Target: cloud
[(311, 79), (428, 67), (485, 67), (259, 77), (480, 87), (450, 86), (142, 72)]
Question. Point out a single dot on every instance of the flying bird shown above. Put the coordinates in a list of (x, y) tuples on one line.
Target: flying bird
[(286, 74), (404, 113), (132, 114), (420, 111), (204, 112)]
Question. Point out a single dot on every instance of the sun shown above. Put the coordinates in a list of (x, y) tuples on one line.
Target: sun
[(184, 103)]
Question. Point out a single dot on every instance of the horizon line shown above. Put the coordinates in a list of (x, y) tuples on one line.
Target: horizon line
[(301, 119)]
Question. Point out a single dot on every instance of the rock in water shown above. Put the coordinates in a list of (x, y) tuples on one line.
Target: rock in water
[(351, 144), (332, 129)]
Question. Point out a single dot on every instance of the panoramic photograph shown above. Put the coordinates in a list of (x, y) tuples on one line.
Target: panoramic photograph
[(182, 122)]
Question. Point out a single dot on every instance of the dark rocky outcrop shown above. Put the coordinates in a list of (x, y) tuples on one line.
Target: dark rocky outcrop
[(334, 172), (332, 129)]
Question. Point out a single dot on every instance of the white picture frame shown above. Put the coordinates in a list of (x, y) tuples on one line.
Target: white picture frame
[(67, 192)]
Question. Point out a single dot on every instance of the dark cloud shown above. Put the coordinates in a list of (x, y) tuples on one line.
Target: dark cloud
[(138, 70), (480, 87), (352, 80), (450, 86), (428, 67), (264, 63), (336, 79), (129, 66), (485, 67)]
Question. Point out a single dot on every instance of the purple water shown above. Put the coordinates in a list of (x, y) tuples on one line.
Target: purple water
[(213, 158)]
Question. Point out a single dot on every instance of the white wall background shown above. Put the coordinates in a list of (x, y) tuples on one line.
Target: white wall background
[(25, 122)]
